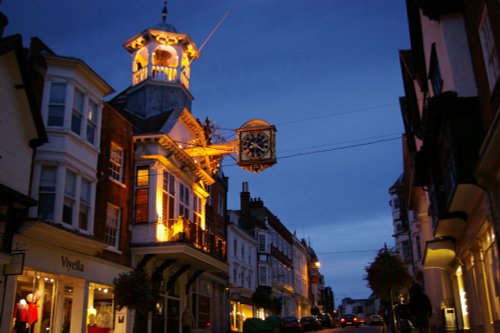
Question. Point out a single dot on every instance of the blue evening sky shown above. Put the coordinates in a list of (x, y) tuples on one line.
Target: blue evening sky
[(324, 72)]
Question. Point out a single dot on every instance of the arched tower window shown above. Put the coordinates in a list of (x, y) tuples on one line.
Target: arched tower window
[(185, 70), (139, 66), (141, 60), (165, 55), (165, 61)]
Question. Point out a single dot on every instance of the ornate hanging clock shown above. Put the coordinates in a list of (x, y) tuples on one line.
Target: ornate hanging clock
[(256, 141)]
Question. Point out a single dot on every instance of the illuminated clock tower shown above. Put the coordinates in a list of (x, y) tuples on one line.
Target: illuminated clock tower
[(161, 66)]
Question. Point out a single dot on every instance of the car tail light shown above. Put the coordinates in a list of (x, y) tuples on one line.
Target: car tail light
[(342, 320), (355, 319)]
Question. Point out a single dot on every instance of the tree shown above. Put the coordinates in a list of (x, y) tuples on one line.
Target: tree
[(134, 290), (262, 298), (387, 276)]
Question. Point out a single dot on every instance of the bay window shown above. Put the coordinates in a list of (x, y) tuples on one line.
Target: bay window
[(69, 197), (142, 194), (92, 121), (77, 112), (47, 192), (56, 104)]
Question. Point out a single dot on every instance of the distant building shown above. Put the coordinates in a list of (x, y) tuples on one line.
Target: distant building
[(242, 260)]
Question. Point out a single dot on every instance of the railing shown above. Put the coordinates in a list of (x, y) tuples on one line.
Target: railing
[(183, 230), (161, 73), (139, 76), (164, 73)]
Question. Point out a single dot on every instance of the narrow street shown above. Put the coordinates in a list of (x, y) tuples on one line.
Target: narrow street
[(362, 329)]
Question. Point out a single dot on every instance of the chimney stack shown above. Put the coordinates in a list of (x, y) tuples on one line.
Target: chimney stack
[(245, 202)]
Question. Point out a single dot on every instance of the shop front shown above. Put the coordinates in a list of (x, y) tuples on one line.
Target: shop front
[(60, 290)]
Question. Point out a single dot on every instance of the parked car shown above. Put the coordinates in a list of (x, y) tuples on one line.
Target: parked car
[(291, 325), (349, 320), (376, 320), (336, 321), (326, 320), (310, 323)]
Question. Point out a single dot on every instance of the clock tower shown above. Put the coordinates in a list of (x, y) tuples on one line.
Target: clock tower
[(161, 67)]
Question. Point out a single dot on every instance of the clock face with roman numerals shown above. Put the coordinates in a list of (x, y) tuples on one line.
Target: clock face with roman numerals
[(255, 145)]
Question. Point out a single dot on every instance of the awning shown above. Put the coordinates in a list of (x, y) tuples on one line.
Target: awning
[(440, 253)]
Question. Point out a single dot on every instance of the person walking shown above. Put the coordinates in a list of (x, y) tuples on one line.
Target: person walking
[(187, 320), (420, 309)]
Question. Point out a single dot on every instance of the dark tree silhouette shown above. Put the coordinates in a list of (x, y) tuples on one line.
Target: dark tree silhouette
[(387, 276)]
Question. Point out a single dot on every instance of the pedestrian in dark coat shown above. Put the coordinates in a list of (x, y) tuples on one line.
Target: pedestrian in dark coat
[(420, 309)]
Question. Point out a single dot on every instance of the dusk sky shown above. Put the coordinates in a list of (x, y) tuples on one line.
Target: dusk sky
[(324, 72)]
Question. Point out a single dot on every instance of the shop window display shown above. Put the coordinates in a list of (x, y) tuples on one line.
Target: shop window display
[(37, 295), (100, 314), (34, 302)]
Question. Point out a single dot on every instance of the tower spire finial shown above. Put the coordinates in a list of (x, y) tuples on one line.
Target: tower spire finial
[(164, 11)]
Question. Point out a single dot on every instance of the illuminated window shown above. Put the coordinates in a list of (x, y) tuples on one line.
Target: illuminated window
[(113, 216), (168, 198), (116, 163), (142, 194), (197, 210), (56, 104), (76, 114), (165, 55), (92, 121), (184, 193)]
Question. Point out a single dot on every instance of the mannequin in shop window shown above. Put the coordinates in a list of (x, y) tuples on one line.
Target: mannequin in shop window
[(32, 311), (21, 316)]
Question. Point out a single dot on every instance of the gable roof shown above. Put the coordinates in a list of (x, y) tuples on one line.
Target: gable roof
[(14, 44)]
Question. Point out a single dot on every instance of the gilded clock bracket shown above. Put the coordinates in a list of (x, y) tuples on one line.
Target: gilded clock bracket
[(254, 162)]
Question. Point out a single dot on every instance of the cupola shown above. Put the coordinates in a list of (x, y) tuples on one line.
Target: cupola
[(162, 54)]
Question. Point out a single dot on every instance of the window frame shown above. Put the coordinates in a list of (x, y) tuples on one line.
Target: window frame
[(77, 111), (54, 119), (47, 191), (92, 120), (141, 187), (112, 232), (489, 49), (116, 158)]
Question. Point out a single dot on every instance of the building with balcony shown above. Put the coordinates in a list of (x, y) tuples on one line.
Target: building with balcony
[(178, 229), (449, 110)]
